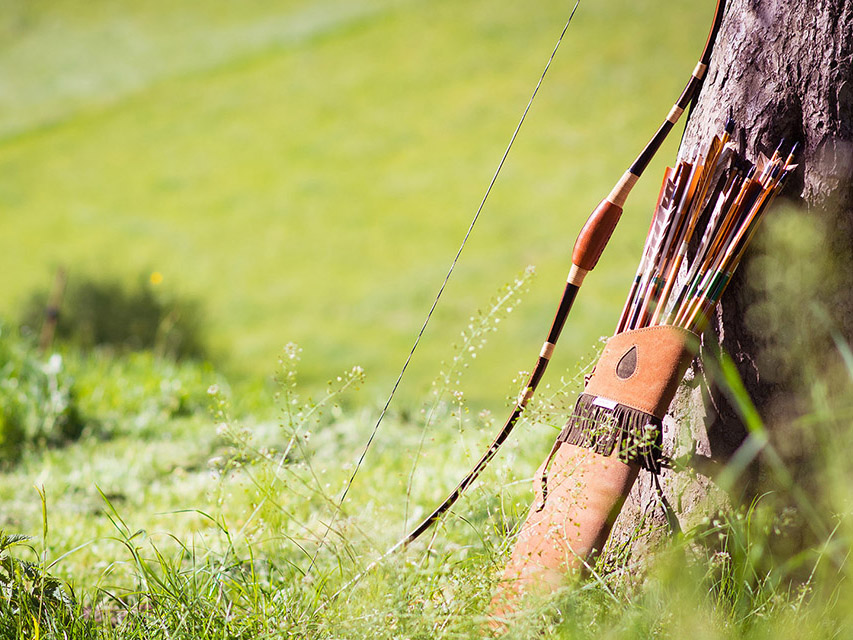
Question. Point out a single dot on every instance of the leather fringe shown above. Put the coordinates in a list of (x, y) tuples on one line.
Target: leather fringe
[(607, 427)]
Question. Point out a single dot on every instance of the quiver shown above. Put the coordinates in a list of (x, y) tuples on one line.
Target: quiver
[(621, 409)]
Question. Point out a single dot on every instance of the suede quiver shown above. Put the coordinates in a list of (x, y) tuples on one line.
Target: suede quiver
[(622, 407)]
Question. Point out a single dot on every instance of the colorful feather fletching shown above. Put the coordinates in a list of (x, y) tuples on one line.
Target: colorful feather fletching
[(707, 213)]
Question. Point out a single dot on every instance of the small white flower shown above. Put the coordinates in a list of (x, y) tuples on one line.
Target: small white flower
[(53, 365)]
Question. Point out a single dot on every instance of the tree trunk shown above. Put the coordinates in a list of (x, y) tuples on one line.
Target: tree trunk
[(781, 69)]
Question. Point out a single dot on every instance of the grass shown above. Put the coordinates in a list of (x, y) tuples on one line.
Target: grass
[(163, 520), (309, 169), (207, 527)]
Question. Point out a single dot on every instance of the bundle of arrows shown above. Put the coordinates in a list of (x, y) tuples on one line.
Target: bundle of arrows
[(719, 191), (708, 210)]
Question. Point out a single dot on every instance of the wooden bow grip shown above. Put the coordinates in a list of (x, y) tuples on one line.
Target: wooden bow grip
[(599, 227)]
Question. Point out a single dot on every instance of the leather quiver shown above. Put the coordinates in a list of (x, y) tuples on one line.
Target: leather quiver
[(622, 407)]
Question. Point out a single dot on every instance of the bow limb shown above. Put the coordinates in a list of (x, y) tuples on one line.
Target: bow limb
[(590, 244), (520, 404)]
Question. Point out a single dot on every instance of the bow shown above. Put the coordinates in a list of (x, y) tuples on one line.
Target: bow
[(588, 248)]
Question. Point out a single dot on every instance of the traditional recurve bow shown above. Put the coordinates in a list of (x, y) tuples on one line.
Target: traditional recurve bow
[(588, 247)]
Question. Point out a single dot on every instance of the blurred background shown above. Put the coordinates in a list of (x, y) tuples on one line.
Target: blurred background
[(304, 172)]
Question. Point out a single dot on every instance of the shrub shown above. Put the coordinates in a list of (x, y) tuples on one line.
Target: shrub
[(38, 402), (98, 313), (34, 604)]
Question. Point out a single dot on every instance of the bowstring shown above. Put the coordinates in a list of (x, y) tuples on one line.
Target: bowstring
[(441, 290)]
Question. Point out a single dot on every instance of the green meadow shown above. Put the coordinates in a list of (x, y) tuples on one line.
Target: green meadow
[(302, 174), (308, 170)]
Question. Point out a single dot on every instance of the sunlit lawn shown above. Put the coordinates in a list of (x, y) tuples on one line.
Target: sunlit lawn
[(308, 170)]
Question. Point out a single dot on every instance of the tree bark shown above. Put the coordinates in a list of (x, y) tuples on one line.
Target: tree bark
[(780, 69)]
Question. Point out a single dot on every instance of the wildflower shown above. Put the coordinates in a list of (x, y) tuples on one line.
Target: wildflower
[(54, 365)]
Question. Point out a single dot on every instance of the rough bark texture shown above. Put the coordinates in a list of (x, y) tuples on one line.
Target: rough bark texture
[(781, 69)]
